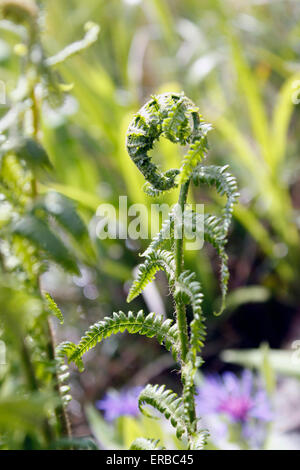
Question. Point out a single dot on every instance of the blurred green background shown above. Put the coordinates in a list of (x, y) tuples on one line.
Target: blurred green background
[(239, 62)]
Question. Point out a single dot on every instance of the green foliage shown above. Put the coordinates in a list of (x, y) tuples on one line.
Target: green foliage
[(92, 32), (30, 241), (53, 307), (175, 117), (64, 212), (155, 261), (77, 166), (145, 444), (166, 402), (151, 326), (162, 237), (74, 444), (172, 116), (197, 152), (39, 233), (33, 153), (225, 184), (198, 440)]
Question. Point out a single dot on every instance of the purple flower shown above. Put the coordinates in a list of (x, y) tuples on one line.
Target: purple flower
[(229, 399), (116, 404)]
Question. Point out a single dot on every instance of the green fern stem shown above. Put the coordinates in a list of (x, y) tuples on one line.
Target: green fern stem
[(178, 255), (180, 305)]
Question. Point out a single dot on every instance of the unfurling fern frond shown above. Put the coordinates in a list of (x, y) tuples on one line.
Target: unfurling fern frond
[(171, 115), (225, 184), (155, 261), (151, 326), (196, 153), (151, 191), (145, 444), (167, 403)]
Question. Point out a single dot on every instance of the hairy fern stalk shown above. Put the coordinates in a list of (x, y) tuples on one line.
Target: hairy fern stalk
[(176, 118)]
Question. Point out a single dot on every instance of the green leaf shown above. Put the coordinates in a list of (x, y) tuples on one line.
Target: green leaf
[(151, 326), (225, 184), (250, 90), (63, 210), (74, 443), (281, 119), (167, 403), (145, 444), (101, 430), (280, 361), (196, 153), (213, 234), (162, 237), (26, 413), (54, 309), (37, 231), (155, 261), (198, 440), (90, 37), (33, 153)]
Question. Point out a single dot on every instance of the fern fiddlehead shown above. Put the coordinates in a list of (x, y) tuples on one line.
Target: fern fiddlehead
[(176, 118)]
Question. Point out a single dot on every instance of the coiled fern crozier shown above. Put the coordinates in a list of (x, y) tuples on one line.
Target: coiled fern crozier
[(176, 118)]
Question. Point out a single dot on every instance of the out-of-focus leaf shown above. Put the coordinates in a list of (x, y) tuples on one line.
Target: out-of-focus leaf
[(102, 431), (24, 413), (90, 37), (52, 306), (248, 294), (267, 370), (39, 234), (281, 361), (250, 90), (34, 153), (89, 200), (63, 210), (281, 118)]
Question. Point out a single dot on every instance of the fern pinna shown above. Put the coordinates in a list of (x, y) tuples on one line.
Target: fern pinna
[(176, 118)]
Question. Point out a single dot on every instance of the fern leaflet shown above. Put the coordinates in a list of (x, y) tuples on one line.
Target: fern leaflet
[(145, 444), (155, 261), (167, 403), (151, 326), (225, 184)]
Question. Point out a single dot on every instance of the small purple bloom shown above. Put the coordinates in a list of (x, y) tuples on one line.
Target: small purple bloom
[(236, 400), (116, 404)]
